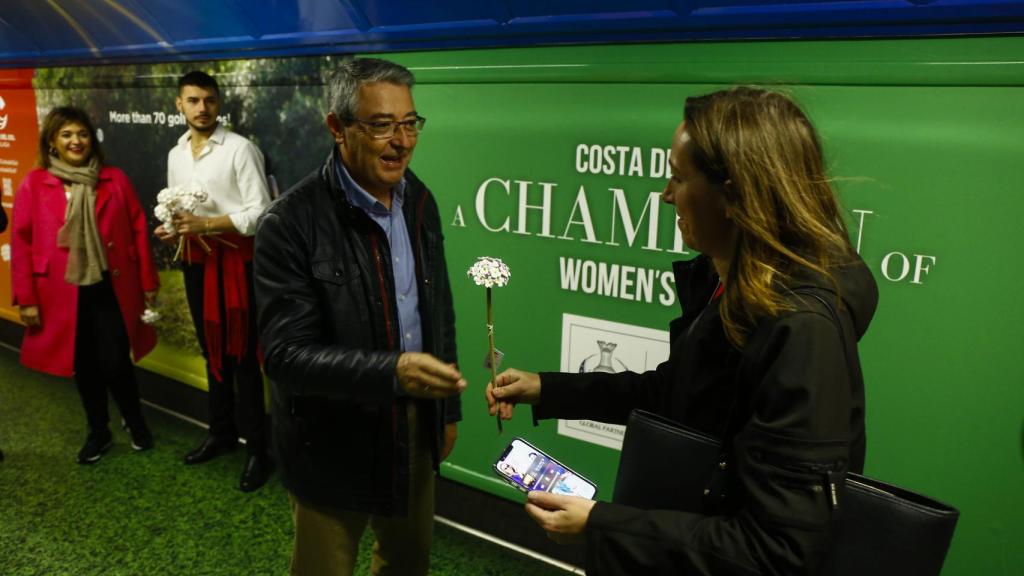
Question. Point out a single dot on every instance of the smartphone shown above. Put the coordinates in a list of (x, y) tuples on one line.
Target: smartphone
[(527, 468)]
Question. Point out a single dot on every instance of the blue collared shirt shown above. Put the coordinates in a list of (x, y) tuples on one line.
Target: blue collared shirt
[(403, 264)]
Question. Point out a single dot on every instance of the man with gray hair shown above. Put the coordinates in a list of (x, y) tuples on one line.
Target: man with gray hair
[(358, 332)]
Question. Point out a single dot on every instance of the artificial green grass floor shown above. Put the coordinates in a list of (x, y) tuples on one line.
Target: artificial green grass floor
[(146, 513)]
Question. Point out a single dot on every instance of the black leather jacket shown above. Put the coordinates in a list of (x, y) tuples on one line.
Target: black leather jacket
[(328, 325)]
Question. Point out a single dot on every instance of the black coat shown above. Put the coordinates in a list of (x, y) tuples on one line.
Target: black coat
[(790, 405), (328, 324)]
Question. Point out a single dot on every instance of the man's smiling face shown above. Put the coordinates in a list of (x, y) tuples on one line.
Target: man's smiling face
[(378, 164)]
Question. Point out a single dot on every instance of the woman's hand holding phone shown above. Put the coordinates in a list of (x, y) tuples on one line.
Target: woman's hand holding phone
[(563, 517), (512, 387)]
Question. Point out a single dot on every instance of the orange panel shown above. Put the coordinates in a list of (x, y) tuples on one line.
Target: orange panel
[(19, 131)]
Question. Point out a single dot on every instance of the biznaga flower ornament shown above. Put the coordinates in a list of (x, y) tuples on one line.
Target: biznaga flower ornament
[(150, 316), (171, 201), (490, 272)]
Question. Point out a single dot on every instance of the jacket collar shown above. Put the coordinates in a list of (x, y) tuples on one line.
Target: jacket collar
[(218, 136), (329, 175), (696, 280), (359, 197), (340, 192)]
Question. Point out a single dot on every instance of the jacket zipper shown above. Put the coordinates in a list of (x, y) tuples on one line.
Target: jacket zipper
[(826, 470), (384, 297)]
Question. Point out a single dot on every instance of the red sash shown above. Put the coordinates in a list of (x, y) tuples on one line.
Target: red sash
[(230, 260)]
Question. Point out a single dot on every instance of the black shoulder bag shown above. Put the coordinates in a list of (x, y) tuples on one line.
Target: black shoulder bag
[(881, 529)]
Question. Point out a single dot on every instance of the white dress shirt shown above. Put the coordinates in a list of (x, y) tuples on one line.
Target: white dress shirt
[(230, 170)]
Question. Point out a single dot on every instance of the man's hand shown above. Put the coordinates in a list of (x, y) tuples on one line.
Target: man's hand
[(563, 517), (164, 235), (185, 223), (424, 376), (451, 432), (30, 316), (510, 388)]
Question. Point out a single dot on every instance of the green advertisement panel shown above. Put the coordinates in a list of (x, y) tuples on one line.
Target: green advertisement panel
[(552, 159)]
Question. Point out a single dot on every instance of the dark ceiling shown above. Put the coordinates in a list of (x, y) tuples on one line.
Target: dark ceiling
[(61, 32)]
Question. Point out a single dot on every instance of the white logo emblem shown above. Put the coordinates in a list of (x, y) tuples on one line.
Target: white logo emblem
[(3, 119), (620, 347)]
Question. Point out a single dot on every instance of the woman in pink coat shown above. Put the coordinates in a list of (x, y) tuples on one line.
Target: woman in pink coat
[(82, 273)]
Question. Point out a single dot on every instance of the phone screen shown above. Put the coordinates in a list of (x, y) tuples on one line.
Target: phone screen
[(527, 468)]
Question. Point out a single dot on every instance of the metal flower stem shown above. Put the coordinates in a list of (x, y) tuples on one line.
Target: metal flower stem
[(490, 343), (181, 244)]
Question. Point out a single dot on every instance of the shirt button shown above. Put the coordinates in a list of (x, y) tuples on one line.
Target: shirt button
[(402, 298), (397, 259), (115, 272), (408, 336)]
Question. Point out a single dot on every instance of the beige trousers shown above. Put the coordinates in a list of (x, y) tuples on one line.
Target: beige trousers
[(327, 540)]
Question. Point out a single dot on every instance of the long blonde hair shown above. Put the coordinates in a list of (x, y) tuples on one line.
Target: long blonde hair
[(767, 155)]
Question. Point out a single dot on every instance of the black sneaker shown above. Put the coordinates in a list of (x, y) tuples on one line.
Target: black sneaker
[(142, 438), (95, 445)]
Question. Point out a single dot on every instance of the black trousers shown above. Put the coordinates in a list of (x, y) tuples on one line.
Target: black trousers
[(242, 379), (102, 357)]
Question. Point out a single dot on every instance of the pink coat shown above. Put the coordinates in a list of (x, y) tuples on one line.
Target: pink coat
[(37, 265)]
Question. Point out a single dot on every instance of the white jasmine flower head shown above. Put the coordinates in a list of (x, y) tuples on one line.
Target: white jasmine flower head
[(179, 199), (195, 190), (487, 271), (187, 204), (150, 316), (163, 214)]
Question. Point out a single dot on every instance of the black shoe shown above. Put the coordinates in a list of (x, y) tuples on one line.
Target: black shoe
[(212, 447), (95, 445), (142, 438), (257, 471), (1, 455)]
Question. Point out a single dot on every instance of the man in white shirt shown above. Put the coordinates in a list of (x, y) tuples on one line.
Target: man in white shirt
[(217, 264)]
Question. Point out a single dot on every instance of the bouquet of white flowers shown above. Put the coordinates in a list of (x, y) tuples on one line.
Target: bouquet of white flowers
[(489, 272), (179, 199)]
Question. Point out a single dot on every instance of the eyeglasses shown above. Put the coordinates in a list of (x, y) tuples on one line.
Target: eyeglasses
[(384, 129)]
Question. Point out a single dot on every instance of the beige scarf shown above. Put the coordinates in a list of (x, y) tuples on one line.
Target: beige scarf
[(86, 258)]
